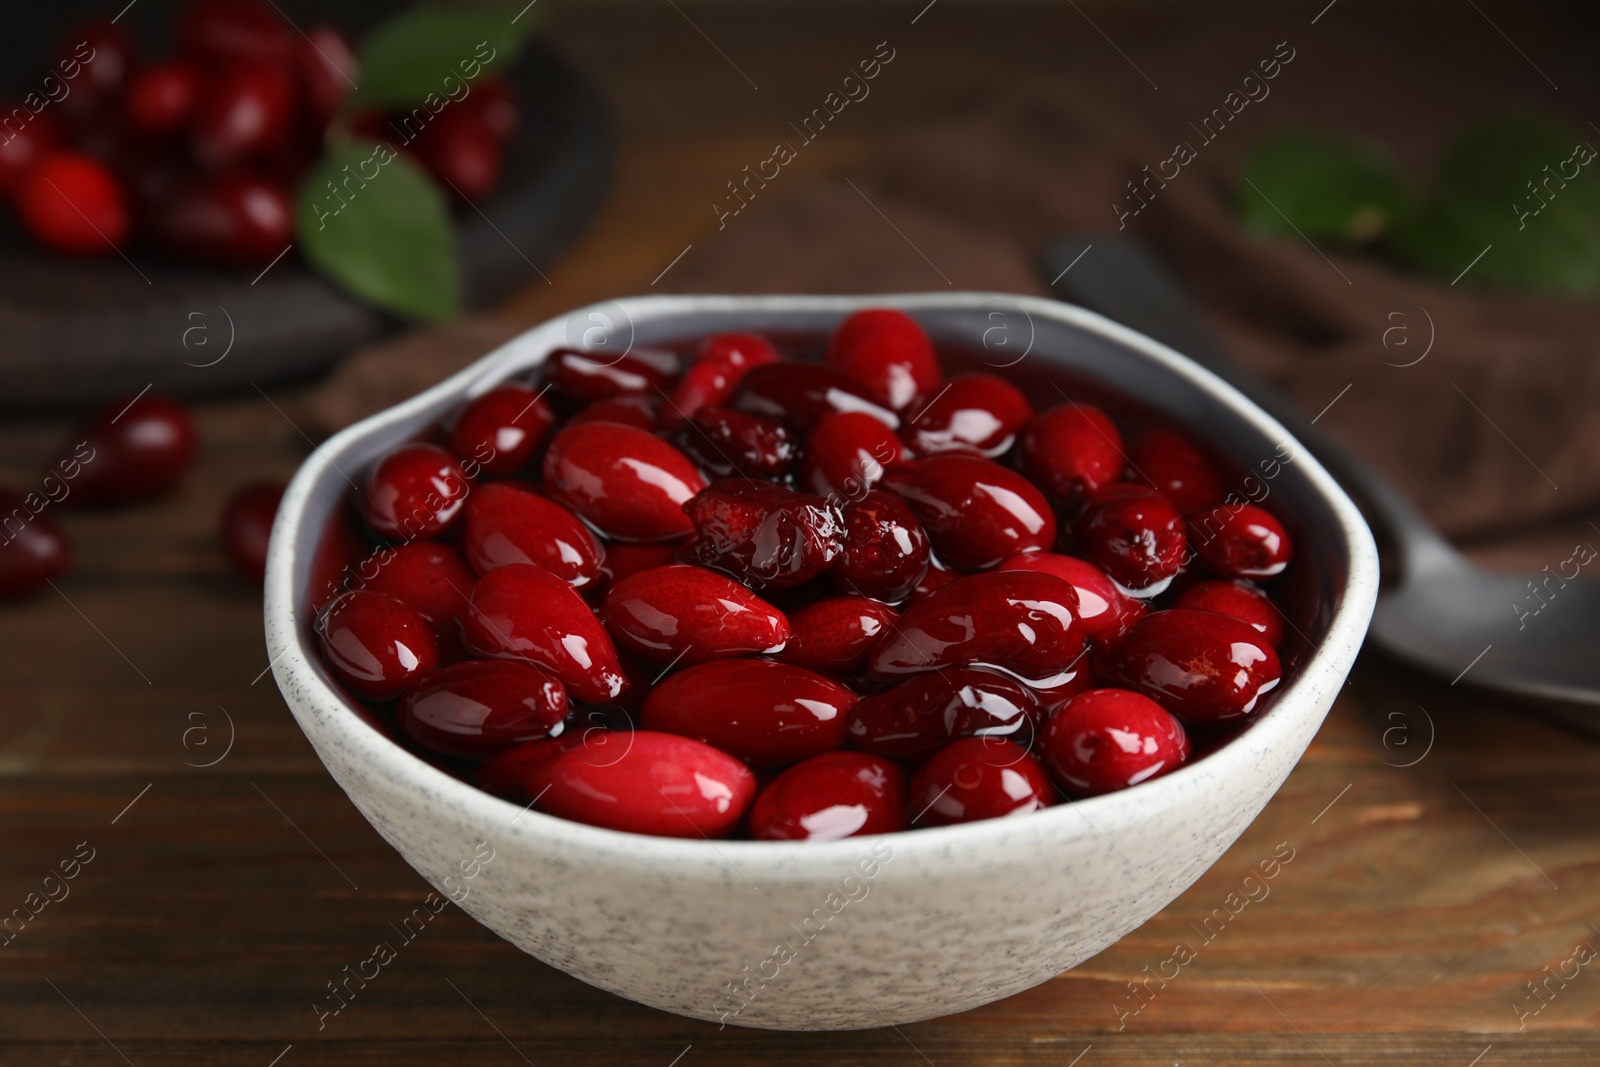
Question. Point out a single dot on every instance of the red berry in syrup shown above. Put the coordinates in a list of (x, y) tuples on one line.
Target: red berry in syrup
[(924, 713), (501, 430), (638, 410), (768, 714), (626, 482), (1240, 599), (887, 353), (763, 534), (884, 552), (590, 376), (1070, 451), (835, 634), (247, 526), (974, 414), (1240, 541), (431, 577), (503, 525), (1104, 740), (644, 782), (978, 778), (831, 796), (416, 491), (505, 774), (525, 612), (801, 393), (975, 511), (128, 452), (376, 645), (724, 442), (482, 707), (1167, 461), (846, 455), (1203, 667), (1134, 535), (71, 204), (685, 615), (1103, 609)]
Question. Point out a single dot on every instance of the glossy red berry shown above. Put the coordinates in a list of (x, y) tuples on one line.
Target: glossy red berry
[(975, 511), (1170, 463), (1103, 609), (460, 152), (235, 220), (801, 393), (34, 551), (229, 31), (974, 414), (846, 455), (503, 524), (429, 576), (639, 410), (884, 550), (376, 645), (831, 796), (765, 535), (924, 713), (246, 112), (1023, 622), (835, 634), (1104, 740), (628, 484), (1070, 451), (1240, 599), (1134, 535), (72, 204), (129, 451), (492, 101), (247, 526), (415, 492), (590, 376), (978, 778), (888, 354), (723, 442), (328, 70), (525, 612), (25, 139), (482, 707), (161, 97), (1203, 667), (1241, 541), (501, 430), (645, 782), (623, 559), (684, 615), (505, 774), (768, 714)]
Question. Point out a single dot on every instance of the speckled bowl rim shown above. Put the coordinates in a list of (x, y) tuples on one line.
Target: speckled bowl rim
[(320, 709)]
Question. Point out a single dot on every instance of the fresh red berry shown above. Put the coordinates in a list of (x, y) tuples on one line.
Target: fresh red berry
[(376, 645), (461, 153), (1203, 667), (247, 526), (129, 451), (1070, 451), (34, 551), (1134, 535), (95, 59), (235, 220), (1103, 740), (887, 353), (974, 414), (525, 612), (500, 431), (73, 205), (768, 714), (328, 70), (230, 31), (831, 796), (161, 97), (415, 492), (978, 778), (684, 615), (976, 512), (626, 482), (644, 782), (482, 707), (246, 112), (1241, 541), (1240, 599)]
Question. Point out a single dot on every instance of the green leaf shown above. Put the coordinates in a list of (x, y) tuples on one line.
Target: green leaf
[(430, 49), (1525, 189), (1327, 187), (375, 223)]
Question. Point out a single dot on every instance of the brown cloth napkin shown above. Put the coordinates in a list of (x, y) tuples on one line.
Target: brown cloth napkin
[(1492, 432)]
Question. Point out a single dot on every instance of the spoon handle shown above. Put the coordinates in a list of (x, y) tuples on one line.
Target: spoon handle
[(1124, 282)]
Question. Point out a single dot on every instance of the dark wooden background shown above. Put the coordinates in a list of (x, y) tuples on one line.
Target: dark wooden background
[(1445, 841)]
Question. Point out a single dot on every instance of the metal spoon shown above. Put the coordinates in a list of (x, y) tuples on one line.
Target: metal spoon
[(1535, 635)]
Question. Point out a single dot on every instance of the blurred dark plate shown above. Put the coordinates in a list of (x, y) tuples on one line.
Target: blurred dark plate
[(76, 333)]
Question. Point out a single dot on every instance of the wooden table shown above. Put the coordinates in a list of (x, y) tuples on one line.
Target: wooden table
[(1444, 845)]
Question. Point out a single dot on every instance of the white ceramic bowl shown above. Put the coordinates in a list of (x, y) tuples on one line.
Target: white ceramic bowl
[(866, 931)]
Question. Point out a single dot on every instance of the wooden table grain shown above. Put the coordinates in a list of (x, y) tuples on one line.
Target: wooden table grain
[(1438, 905)]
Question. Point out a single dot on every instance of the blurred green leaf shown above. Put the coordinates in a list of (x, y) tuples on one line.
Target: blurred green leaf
[(375, 223), (1517, 186), (1327, 187), (412, 54)]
